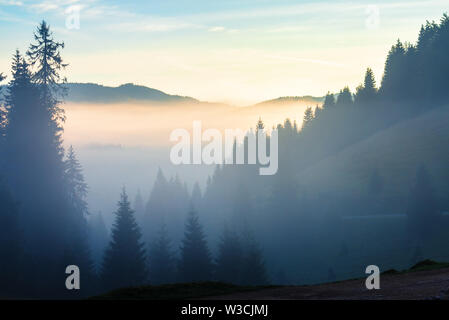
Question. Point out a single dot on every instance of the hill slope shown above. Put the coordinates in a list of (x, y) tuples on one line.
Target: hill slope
[(305, 100), (420, 285), (395, 153), (89, 92)]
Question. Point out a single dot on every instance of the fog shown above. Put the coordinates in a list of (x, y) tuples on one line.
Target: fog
[(150, 125), (125, 144)]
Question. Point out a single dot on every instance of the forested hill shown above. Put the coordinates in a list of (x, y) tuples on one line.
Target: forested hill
[(89, 92), (309, 100), (97, 93)]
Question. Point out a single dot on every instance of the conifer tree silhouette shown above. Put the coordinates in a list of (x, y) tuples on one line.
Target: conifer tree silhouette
[(125, 259), (195, 263), (162, 264)]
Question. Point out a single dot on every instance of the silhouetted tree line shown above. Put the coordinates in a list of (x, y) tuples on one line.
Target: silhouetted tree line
[(277, 209), (130, 261), (44, 207), (415, 81)]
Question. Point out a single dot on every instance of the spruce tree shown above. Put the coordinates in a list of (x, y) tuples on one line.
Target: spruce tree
[(426, 34), (77, 251), (317, 112), (162, 267), (308, 118), (77, 188), (230, 258), (167, 205), (369, 82), (34, 168), (329, 101), (33, 162), (196, 263), (46, 56), (392, 81), (366, 93), (254, 272), (344, 97), (124, 262)]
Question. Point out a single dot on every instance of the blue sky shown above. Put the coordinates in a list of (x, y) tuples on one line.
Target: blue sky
[(234, 51)]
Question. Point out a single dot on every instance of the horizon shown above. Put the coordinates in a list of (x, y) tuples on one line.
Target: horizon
[(218, 51), (273, 99)]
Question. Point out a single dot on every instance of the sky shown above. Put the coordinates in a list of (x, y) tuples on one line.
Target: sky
[(239, 52)]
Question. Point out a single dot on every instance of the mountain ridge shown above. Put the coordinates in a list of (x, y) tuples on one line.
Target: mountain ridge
[(85, 92), (92, 92)]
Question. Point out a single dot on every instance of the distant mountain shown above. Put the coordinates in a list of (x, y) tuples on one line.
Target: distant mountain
[(308, 100), (90, 92), (96, 93)]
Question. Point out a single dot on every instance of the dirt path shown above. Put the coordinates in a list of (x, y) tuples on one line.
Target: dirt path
[(414, 286)]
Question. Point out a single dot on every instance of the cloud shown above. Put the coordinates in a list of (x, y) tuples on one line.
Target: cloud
[(284, 29), (304, 9), (315, 61), (11, 3), (217, 29), (162, 25), (47, 5)]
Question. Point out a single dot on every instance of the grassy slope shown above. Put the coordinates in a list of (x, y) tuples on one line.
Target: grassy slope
[(208, 289), (176, 291), (395, 152)]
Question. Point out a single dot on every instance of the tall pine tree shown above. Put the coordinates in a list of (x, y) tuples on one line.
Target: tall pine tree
[(124, 262), (34, 169), (344, 97), (196, 263), (77, 251), (77, 187), (308, 118), (254, 272), (366, 93), (329, 101), (162, 264), (230, 258)]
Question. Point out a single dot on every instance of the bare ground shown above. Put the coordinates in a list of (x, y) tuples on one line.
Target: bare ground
[(419, 285)]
